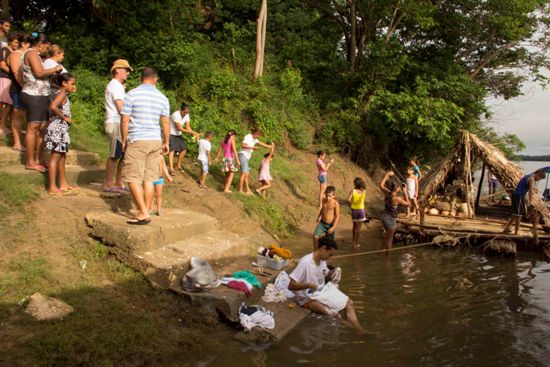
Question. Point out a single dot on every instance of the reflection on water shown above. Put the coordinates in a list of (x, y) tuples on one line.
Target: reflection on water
[(428, 307)]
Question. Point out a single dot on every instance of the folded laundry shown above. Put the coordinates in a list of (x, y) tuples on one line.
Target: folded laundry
[(249, 277)]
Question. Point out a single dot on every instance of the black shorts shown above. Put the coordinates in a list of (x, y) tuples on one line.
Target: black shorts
[(177, 144), (518, 203), (38, 107)]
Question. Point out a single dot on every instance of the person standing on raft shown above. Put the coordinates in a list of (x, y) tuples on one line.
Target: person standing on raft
[(392, 200), (525, 186)]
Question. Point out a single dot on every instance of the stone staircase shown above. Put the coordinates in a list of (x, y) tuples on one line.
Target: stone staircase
[(81, 167), (162, 250)]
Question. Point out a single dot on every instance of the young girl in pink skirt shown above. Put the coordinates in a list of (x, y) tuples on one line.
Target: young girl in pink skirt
[(265, 176)]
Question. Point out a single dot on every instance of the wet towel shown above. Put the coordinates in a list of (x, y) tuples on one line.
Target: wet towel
[(249, 277), (281, 283), (256, 316), (226, 280), (239, 286), (331, 297)]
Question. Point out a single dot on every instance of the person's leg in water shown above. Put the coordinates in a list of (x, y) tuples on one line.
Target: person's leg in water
[(228, 180), (30, 142), (355, 234), (388, 239), (351, 317), (52, 174), (265, 185), (319, 308)]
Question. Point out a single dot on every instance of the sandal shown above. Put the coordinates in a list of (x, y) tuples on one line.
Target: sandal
[(70, 188), (139, 222), (55, 193), (38, 168)]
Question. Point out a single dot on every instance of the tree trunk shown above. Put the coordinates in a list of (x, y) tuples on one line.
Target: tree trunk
[(353, 35), (260, 39), (6, 9)]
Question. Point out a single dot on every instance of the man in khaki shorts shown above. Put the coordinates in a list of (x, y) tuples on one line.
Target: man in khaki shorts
[(114, 98), (142, 141)]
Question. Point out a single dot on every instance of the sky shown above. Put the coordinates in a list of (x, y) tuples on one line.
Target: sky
[(527, 116)]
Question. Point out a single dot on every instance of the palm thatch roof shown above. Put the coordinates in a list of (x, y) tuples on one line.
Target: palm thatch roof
[(507, 173)]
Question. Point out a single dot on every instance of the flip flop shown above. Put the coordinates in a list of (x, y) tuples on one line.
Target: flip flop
[(38, 168), (70, 188), (121, 189), (20, 149), (139, 222), (56, 193), (110, 189)]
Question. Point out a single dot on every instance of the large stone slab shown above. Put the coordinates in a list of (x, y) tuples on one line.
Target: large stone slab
[(74, 157), (217, 247), (174, 225), (75, 174)]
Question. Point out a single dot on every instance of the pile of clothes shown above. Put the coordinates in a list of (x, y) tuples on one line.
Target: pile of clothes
[(243, 281), (256, 316)]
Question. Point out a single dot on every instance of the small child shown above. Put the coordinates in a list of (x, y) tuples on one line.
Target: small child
[(322, 176), (57, 139), (159, 184), (265, 176), (205, 146), (412, 191), (328, 217), (356, 200)]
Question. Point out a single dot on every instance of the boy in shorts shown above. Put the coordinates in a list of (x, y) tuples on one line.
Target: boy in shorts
[(328, 216), (205, 146)]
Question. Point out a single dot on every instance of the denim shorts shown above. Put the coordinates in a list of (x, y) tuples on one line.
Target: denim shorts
[(322, 179), (388, 221), (17, 102), (244, 163)]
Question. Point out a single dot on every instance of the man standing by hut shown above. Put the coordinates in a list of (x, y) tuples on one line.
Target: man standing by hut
[(525, 186)]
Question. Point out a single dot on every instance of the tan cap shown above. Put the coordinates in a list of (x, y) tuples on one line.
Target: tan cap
[(121, 64)]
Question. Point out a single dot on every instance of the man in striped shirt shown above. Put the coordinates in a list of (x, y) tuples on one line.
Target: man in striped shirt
[(142, 140)]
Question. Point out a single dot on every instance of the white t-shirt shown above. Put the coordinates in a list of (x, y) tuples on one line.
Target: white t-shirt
[(308, 272), (176, 118), (250, 141), (114, 91), (50, 64), (204, 149)]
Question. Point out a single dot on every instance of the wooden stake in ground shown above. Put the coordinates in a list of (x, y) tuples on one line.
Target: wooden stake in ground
[(261, 25)]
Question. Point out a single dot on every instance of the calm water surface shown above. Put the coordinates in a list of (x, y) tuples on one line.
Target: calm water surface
[(429, 308)]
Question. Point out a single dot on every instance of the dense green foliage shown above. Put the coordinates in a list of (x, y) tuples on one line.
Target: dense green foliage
[(370, 78)]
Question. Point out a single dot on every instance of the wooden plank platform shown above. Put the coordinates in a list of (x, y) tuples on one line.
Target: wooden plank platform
[(477, 227)]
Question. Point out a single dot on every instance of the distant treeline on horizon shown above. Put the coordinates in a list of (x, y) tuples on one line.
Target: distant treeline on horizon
[(531, 158)]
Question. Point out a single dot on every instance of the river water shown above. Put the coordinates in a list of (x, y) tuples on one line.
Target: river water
[(428, 307)]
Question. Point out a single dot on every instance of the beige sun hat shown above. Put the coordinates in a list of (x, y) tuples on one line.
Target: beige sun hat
[(121, 64)]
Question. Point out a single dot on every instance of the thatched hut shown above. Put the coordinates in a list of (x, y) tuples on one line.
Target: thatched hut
[(464, 154)]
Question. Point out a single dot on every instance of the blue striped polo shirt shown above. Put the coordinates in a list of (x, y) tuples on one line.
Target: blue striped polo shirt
[(145, 105)]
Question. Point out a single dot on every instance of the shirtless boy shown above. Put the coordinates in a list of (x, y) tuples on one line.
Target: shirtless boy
[(328, 216)]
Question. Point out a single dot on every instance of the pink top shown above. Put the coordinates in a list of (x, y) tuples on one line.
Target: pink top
[(228, 150), (265, 175), (320, 164)]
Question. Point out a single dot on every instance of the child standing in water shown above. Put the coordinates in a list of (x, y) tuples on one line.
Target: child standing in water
[(356, 200), (159, 184), (57, 134), (412, 192), (265, 176), (205, 146), (322, 176), (328, 217), (230, 156)]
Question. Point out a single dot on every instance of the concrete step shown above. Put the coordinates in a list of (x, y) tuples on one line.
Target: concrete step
[(78, 175), (74, 157), (219, 248), (127, 240)]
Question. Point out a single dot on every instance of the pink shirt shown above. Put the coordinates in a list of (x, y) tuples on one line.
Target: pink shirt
[(320, 165)]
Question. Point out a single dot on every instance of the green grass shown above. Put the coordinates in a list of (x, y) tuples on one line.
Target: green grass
[(24, 276), (269, 215), (16, 191)]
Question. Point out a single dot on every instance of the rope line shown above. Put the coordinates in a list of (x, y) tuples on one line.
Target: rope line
[(391, 249)]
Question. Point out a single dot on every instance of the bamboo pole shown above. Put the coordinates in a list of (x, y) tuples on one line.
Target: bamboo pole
[(478, 196), (467, 173)]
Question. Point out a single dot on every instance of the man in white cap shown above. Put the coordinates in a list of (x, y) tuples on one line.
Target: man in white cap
[(114, 99)]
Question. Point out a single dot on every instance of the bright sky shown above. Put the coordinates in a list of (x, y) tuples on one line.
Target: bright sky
[(527, 116)]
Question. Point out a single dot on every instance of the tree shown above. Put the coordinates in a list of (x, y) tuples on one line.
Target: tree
[(260, 39)]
